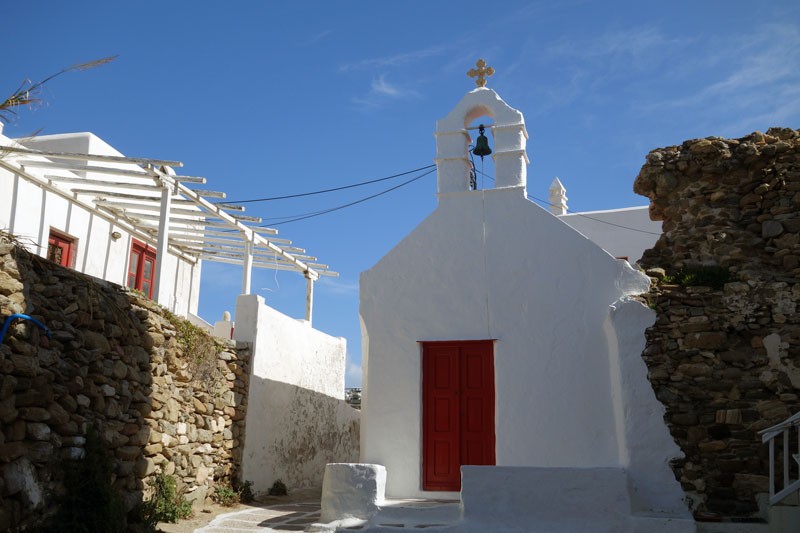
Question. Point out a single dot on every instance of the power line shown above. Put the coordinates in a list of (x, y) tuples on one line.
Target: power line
[(299, 195), (597, 219), (362, 200), (581, 214)]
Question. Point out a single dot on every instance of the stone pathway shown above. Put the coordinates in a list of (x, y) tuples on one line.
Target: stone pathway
[(284, 517), (404, 514)]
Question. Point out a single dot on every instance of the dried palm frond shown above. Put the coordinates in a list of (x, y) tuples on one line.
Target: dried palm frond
[(26, 93)]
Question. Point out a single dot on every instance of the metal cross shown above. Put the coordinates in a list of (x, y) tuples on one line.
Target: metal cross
[(480, 73)]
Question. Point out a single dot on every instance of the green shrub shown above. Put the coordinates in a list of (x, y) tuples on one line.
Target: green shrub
[(706, 276), (225, 495), (246, 491), (278, 489), (167, 503)]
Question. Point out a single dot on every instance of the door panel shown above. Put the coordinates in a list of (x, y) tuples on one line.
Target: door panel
[(440, 416), (457, 410)]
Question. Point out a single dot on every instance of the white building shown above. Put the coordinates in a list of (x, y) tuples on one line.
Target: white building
[(495, 334), (78, 201), (624, 233)]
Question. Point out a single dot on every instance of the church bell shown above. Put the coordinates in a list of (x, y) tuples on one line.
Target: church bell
[(481, 144)]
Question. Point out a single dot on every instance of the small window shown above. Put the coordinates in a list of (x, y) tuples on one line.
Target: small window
[(61, 248), (142, 268)]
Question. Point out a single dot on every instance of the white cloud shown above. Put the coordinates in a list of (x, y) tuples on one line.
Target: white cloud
[(393, 60), (382, 91), (338, 286), (353, 375), (320, 36), (622, 45), (753, 83)]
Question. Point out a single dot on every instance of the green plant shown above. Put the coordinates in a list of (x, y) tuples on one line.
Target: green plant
[(707, 276), (225, 495), (167, 504), (278, 489), (196, 343), (90, 503), (246, 491)]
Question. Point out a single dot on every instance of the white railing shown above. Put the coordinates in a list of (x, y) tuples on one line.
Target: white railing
[(769, 435)]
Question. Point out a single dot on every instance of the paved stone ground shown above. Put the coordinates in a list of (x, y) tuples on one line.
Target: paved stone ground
[(284, 517), (301, 516)]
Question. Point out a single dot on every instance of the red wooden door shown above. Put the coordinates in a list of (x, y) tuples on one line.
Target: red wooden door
[(457, 410), (142, 268), (60, 248)]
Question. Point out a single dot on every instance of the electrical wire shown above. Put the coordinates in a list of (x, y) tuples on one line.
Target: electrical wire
[(311, 193), (581, 214), (305, 216), (597, 219)]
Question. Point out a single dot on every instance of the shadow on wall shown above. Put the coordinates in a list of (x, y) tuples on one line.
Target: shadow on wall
[(93, 372), (299, 432)]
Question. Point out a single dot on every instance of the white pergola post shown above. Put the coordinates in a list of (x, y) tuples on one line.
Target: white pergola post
[(247, 265), (309, 296), (163, 239)]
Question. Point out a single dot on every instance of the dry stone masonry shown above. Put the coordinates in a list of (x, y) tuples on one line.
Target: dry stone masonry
[(724, 353), (159, 395)]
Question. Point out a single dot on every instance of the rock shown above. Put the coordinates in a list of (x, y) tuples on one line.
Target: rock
[(8, 284), (709, 340), (96, 341), (198, 494), (24, 365), (39, 452), (35, 414), (712, 446), (20, 477), (8, 413), (152, 449), (771, 228), (38, 431), (119, 370), (199, 406), (144, 467), (11, 450)]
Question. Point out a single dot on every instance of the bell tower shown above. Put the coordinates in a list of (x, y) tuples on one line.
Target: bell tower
[(453, 139)]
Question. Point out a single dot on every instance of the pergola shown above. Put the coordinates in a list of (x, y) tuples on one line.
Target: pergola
[(150, 201)]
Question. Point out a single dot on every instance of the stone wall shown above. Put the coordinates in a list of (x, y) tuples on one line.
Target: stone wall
[(157, 393), (724, 354)]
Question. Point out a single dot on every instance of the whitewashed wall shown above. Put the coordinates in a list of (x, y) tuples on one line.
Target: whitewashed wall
[(493, 265), (29, 213), (624, 232), (534, 284), (297, 419)]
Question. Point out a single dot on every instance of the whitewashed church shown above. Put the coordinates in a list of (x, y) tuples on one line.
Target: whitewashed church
[(502, 355)]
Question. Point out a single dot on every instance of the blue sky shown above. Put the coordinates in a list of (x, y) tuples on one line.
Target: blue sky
[(274, 98)]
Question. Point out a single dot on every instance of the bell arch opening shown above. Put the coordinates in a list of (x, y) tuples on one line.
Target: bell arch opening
[(482, 169)]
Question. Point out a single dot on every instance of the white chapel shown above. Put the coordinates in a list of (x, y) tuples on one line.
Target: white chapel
[(502, 353)]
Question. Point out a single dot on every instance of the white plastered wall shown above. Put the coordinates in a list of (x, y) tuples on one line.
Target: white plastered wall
[(297, 419), (624, 232), (30, 213), (493, 265)]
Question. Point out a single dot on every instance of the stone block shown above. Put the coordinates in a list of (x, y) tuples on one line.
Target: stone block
[(352, 490), (20, 477)]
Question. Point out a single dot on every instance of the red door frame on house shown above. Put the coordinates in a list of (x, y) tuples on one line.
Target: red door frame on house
[(60, 248), (457, 410), (142, 267)]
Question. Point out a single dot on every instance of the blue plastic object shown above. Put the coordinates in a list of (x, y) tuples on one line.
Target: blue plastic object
[(11, 318)]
